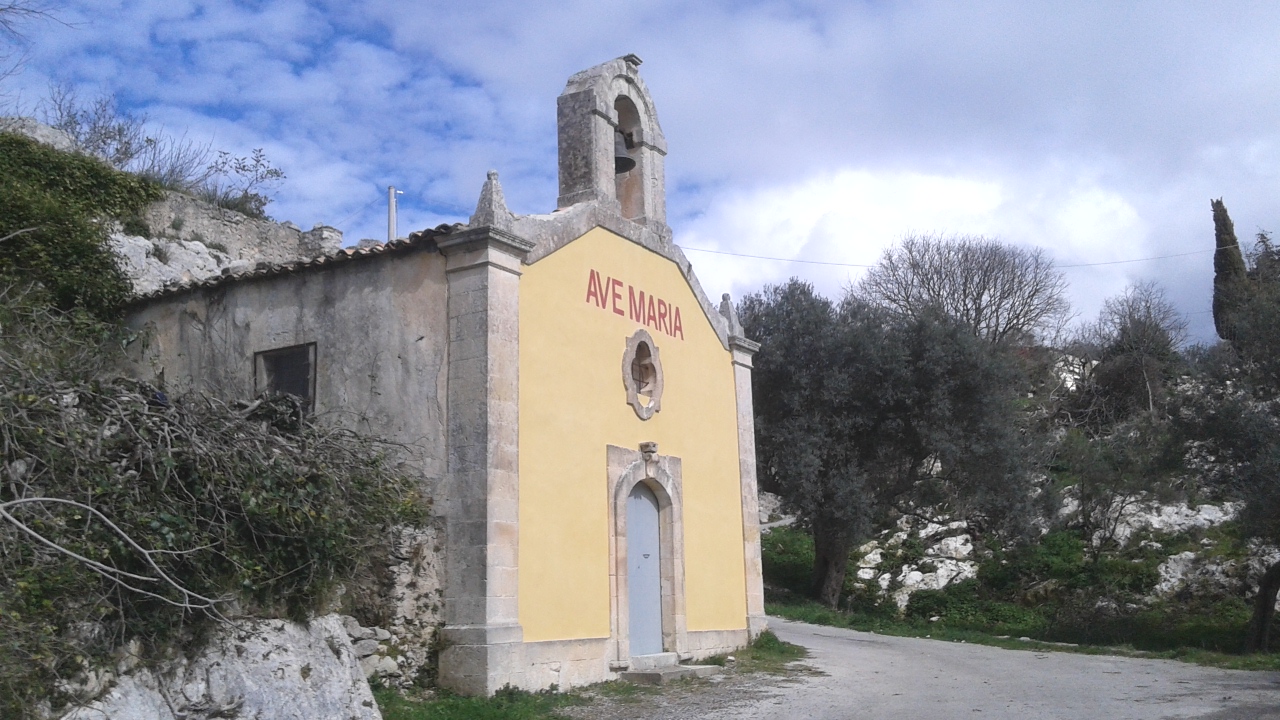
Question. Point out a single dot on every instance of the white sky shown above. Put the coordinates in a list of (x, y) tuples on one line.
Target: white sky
[(816, 130)]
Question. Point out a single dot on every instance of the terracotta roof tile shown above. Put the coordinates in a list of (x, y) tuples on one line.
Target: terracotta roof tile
[(420, 239)]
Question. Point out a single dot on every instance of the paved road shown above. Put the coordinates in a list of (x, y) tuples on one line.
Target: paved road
[(878, 677)]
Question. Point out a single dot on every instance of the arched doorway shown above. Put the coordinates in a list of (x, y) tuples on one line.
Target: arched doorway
[(646, 551), (644, 571)]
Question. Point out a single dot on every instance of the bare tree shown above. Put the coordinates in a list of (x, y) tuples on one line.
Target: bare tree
[(13, 15), (1000, 292), (100, 128), (1131, 349)]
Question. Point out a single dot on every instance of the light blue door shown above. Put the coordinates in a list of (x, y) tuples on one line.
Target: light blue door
[(644, 573)]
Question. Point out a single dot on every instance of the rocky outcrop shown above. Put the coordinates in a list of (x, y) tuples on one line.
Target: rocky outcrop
[(1206, 573), (930, 554), (186, 239), (182, 238), (917, 555), (259, 669), (39, 132), (1132, 515)]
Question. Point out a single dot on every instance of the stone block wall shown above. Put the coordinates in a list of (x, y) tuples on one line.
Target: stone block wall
[(188, 239)]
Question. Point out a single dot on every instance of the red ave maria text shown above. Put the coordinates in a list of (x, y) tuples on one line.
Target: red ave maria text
[(627, 301)]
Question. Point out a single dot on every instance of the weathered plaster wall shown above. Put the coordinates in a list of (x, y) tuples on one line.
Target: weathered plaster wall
[(379, 328), (573, 405)]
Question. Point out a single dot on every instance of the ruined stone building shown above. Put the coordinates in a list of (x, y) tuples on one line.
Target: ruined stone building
[(578, 409)]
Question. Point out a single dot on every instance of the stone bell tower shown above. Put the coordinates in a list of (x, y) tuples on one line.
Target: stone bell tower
[(607, 121)]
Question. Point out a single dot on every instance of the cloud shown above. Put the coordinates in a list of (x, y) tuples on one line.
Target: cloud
[(852, 216), (1096, 129)]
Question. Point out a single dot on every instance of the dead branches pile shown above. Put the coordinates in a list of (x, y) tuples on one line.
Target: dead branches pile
[(126, 514)]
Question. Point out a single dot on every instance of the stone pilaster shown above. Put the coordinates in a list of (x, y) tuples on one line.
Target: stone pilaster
[(482, 633), (742, 350)]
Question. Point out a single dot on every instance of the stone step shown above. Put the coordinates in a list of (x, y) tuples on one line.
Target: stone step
[(663, 675), (654, 661)]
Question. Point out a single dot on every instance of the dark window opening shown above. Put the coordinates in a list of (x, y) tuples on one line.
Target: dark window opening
[(288, 371)]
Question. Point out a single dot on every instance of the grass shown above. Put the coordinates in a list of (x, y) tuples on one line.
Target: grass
[(767, 654), (506, 704), (621, 691), (803, 610), (1089, 606)]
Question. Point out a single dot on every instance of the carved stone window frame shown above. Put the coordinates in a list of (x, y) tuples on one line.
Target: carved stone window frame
[(643, 410)]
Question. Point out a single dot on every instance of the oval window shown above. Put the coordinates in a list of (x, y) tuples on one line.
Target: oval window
[(642, 375)]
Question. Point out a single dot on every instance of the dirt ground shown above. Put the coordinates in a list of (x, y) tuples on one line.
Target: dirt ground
[(853, 675)]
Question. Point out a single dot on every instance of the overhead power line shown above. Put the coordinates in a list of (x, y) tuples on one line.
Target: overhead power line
[(765, 257), (366, 207), (1118, 262), (857, 265)]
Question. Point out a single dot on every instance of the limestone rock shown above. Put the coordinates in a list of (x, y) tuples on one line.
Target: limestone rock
[(265, 669), (871, 559), (354, 630), (365, 648), (39, 132), (770, 507), (957, 547), (1172, 571)]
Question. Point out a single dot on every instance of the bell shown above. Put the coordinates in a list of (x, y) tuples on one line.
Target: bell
[(622, 161)]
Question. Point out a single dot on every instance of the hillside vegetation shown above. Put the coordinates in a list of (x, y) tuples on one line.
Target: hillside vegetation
[(132, 522), (958, 465)]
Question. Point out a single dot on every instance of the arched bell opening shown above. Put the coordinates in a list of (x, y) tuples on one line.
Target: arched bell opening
[(629, 170)]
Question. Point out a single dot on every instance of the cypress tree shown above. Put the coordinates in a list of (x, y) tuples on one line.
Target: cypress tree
[(1230, 284)]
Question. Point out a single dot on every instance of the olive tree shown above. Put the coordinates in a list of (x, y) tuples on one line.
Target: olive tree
[(803, 447), (1001, 293), (1228, 412), (862, 414)]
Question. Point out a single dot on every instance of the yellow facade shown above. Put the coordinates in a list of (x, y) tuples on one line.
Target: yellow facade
[(573, 404)]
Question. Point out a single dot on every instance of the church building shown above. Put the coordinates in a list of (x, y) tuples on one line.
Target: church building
[(577, 408)]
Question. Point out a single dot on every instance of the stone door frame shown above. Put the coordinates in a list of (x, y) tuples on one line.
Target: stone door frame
[(662, 475)]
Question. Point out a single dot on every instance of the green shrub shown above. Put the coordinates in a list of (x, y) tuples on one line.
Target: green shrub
[(181, 505), (1057, 556), (52, 210), (787, 557), (968, 605), (136, 227)]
